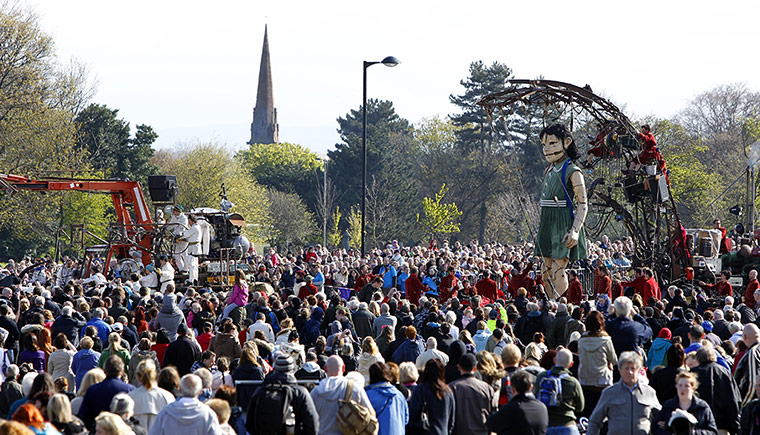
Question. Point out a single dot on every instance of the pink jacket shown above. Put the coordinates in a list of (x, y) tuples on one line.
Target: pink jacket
[(240, 295)]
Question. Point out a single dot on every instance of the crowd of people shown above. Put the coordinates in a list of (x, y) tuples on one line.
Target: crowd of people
[(450, 339)]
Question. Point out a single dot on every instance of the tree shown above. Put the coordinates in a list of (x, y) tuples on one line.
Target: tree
[(292, 223), (287, 167), (334, 235), (438, 218), (38, 103), (107, 140), (355, 228), (202, 168), (483, 146), (383, 125)]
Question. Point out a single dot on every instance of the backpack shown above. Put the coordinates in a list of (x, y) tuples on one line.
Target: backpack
[(505, 392), (353, 418), (272, 410), (550, 392)]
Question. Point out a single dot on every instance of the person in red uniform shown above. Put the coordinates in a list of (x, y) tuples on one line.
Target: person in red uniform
[(363, 279), (722, 287), (638, 281), (602, 282), (651, 288), (449, 285), (486, 287), (311, 255), (723, 240), (308, 289), (574, 289), (413, 286), (752, 286)]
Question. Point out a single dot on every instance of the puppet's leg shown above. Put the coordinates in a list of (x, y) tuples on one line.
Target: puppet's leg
[(553, 271)]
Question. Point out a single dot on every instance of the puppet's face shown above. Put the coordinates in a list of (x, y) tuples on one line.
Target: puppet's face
[(554, 148)]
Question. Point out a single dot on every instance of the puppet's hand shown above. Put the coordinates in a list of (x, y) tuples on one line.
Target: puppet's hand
[(570, 239)]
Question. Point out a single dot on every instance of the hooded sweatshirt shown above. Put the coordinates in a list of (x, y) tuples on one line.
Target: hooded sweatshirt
[(311, 329), (326, 396), (456, 351), (594, 356), (187, 416), (390, 407), (657, 352), (170, 316)]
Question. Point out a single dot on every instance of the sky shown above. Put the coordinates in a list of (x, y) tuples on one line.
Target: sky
[(190, 68)]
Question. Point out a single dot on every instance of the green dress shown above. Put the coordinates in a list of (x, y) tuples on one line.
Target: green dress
[(556, 219)]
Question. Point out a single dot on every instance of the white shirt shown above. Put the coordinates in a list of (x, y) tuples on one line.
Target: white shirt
[(167, 276), (262, 326), (192, 236), (179, 224)]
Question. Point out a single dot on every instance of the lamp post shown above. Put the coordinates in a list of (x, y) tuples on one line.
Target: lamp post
[(389, 61)]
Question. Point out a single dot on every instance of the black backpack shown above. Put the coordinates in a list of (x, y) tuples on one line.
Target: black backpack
[(271, 410)]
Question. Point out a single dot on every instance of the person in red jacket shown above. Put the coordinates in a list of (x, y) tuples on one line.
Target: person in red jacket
[(602, 281), (651, 288), (308, 289), (722, 287), (363, 279), (574, 289), (449, 285), (487, 288), (638, 281), (752, 286), (414, 287)]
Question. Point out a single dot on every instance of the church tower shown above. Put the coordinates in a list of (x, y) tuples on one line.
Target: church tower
[(264, 128)]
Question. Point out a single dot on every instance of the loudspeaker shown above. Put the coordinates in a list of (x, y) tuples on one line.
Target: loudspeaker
[(162, 188)]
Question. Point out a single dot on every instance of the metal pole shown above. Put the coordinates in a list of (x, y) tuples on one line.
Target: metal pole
[(364, 147), (325, 211)]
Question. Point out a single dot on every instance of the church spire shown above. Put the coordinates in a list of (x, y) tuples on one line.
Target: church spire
[(264, 128)]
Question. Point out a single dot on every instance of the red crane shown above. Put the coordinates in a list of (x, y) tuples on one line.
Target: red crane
[(135, 227)]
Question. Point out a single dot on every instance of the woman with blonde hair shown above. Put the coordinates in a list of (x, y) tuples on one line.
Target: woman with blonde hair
[(114, 348), (149, 398), (92, 377), (60, 416), (370, 355), (111, 424), (489, 369)]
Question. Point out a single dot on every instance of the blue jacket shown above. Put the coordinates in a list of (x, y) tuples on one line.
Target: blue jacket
[(409, 350), (390, 407), (101, 326), (628, 334), (82, 362), (656, 355), (98, 398), (388, 273), (481, 338)]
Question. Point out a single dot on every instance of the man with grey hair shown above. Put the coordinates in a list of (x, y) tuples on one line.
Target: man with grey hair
[(68, 323), (97, 321), (561, 393), (556, 334), (384, 320), (431, 352), (11, 390), (629, 331), (746, 373), (628, 405), (720, 325), (363, 320), (187, 415)]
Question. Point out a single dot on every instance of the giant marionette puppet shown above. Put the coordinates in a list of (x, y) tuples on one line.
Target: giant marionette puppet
[(564, 206)]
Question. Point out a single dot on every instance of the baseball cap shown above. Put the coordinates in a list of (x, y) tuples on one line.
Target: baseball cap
[(118, 327)]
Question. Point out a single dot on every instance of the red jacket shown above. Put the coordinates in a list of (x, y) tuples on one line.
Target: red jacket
[(651, 290), (574, 292), (448, 287), (603, 286), (487, 288), (361, 281), (638, 284), (749, 293), (414, 289), (305, 291), (722, 287)]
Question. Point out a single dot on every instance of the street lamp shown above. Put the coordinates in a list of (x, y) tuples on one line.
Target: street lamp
[(389, 61)]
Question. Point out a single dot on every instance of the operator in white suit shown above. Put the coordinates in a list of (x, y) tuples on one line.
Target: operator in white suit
[(179, 224), (192, 236), (165, 273)]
